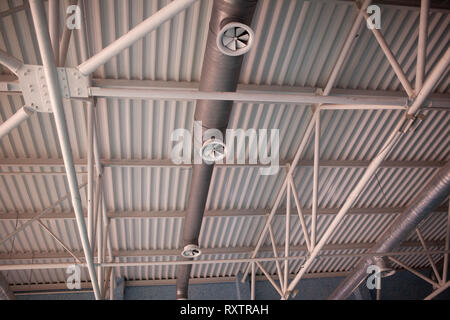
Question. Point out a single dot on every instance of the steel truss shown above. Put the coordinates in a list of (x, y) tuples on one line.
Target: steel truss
[(418, 97), (53, 53)]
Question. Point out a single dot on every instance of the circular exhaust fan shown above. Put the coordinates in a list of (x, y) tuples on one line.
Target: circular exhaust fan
[(191, 251), (235, 39), (213, 150)]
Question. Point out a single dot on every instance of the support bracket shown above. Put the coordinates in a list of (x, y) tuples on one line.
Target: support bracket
[(35, 89)]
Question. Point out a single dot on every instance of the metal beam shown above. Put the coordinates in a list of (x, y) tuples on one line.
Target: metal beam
[(57, 288), (372, 99), (55, 215), (221, 251), (301, 99), (59, 163), (250, 260)]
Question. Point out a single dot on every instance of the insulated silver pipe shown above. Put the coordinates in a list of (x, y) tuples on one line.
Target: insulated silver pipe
[(219, 73), (51, 76), (425, 202)]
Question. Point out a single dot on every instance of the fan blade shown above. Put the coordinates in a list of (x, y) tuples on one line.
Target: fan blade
[(232, 46), (239, 31), (240, 44), (244, 37), (231, 33), (227, 40)]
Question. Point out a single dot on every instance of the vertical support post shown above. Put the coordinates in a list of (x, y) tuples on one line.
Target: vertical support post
[(90, 169), (422, 45), (288, 237), (315, 178), (112, 284), (252, 289), (100, 245)]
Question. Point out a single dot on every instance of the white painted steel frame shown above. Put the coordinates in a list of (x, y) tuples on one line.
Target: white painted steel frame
[(308, 132), (401, 127), (51, 76), (172, 9), (138, 32), (62, 265)]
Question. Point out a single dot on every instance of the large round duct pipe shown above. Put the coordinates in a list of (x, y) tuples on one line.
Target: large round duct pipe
[(220, 72), (425, 202)]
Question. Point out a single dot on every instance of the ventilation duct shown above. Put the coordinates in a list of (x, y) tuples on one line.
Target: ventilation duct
[(426, 201), (220, 72)]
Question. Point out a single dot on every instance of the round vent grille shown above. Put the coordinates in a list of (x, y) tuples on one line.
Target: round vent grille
[(191, 251), (235, 39), (213, 150)]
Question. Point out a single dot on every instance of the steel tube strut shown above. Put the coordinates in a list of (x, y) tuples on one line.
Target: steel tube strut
[(422, 46), (45, 48), (401, 127), (15, 120), (346, 48), (138, 32), (10, 62)]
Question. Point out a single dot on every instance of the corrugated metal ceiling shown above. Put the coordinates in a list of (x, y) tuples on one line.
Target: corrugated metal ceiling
[(297, 44)]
